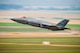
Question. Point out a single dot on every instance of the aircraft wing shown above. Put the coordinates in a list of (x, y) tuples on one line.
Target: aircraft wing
[(44, 22), (48, 24)]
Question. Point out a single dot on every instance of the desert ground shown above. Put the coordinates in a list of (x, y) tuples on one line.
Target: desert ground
[(19, 38), (36, 34)]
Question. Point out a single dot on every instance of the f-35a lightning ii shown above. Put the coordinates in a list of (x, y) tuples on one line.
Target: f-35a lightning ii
[(42, 24)]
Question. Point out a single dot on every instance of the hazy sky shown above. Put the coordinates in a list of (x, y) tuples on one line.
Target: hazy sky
[(43, 2)]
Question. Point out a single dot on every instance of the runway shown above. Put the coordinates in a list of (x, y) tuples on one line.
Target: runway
[(62, 45)]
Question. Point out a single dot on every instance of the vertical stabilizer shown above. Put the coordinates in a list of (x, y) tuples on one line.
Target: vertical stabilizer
[(63, 23)]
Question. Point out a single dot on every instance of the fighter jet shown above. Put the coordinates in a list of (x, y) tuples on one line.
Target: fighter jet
[(42, 24)]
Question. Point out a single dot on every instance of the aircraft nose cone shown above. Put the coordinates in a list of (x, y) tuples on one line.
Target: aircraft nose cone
[(13, 19)]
